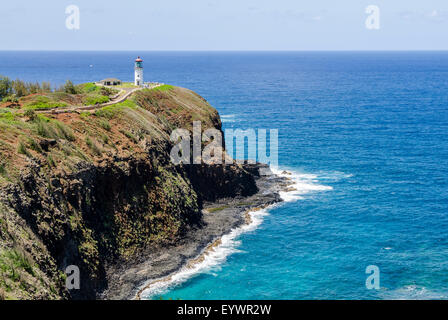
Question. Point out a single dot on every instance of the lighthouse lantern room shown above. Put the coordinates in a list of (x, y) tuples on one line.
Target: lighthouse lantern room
[(138, 72)]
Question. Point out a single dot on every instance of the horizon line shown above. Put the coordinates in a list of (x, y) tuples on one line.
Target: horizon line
[(305, 50)]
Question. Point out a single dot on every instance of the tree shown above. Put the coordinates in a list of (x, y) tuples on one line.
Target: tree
[(33, 87), (46, 87), (5, 87), (19, 88), (69, 87)]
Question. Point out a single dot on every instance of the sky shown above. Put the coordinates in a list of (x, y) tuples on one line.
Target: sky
[(223, 25)]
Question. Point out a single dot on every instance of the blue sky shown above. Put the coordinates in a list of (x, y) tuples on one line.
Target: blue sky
[(224, 25)]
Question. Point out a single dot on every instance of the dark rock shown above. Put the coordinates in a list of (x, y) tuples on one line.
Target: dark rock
[(45, 144)]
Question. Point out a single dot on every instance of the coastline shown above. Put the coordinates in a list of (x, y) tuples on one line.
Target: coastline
[(222, 221)]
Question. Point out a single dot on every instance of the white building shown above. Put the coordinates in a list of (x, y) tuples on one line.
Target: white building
[(138, 78), (111, 82)]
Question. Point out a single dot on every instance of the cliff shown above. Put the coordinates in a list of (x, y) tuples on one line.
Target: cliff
[(97, 189)]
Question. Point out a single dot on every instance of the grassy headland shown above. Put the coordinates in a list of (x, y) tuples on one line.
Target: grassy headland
[(95, 188), (35, 96)]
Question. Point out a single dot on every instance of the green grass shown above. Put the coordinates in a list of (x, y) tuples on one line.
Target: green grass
[(11, 98), (213, 210), (52, 129), (44, 127), (42, 102), (59, 96), (164, 87), (87, 87), (14, 265), (96, 99), (112, 111), (13, 259), (8, 117), (6, 110), (85, 115)]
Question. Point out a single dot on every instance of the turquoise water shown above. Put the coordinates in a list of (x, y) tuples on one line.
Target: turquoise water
[(366, 136)]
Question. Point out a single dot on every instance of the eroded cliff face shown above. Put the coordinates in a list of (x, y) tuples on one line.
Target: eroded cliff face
[(94, 189)]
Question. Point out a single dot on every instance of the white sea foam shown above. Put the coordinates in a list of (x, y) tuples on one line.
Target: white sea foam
[(304, 183), (213, 258), (229, 118), (413, 292)]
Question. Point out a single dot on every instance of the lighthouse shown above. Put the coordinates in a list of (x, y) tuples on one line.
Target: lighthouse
[(138, 79)]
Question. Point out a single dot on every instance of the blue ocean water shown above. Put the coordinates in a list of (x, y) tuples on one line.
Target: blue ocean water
[(364, 132)]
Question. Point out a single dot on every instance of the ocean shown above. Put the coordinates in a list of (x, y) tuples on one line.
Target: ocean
[(365, 135)]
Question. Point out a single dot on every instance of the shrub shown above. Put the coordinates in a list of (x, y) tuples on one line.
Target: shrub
[(23, 150), (107, 91), (105, 138), (105, 125), (11, 98), (69, 87), (44, 129), (50, 161), (65, 132), (34, 145), (129, 135), (93, 146), (30, 114)]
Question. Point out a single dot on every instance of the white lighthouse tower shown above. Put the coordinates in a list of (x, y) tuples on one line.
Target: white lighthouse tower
[(138, 79)]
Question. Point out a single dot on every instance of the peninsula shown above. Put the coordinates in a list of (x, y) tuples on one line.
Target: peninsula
[(86, 180)]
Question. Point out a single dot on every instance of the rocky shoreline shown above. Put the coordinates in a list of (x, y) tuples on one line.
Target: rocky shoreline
[(129, 279)]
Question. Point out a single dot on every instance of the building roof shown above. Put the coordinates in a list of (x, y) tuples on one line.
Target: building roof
[(111, 80)]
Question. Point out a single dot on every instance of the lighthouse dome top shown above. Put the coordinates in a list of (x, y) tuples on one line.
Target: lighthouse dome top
[(138, 60)]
